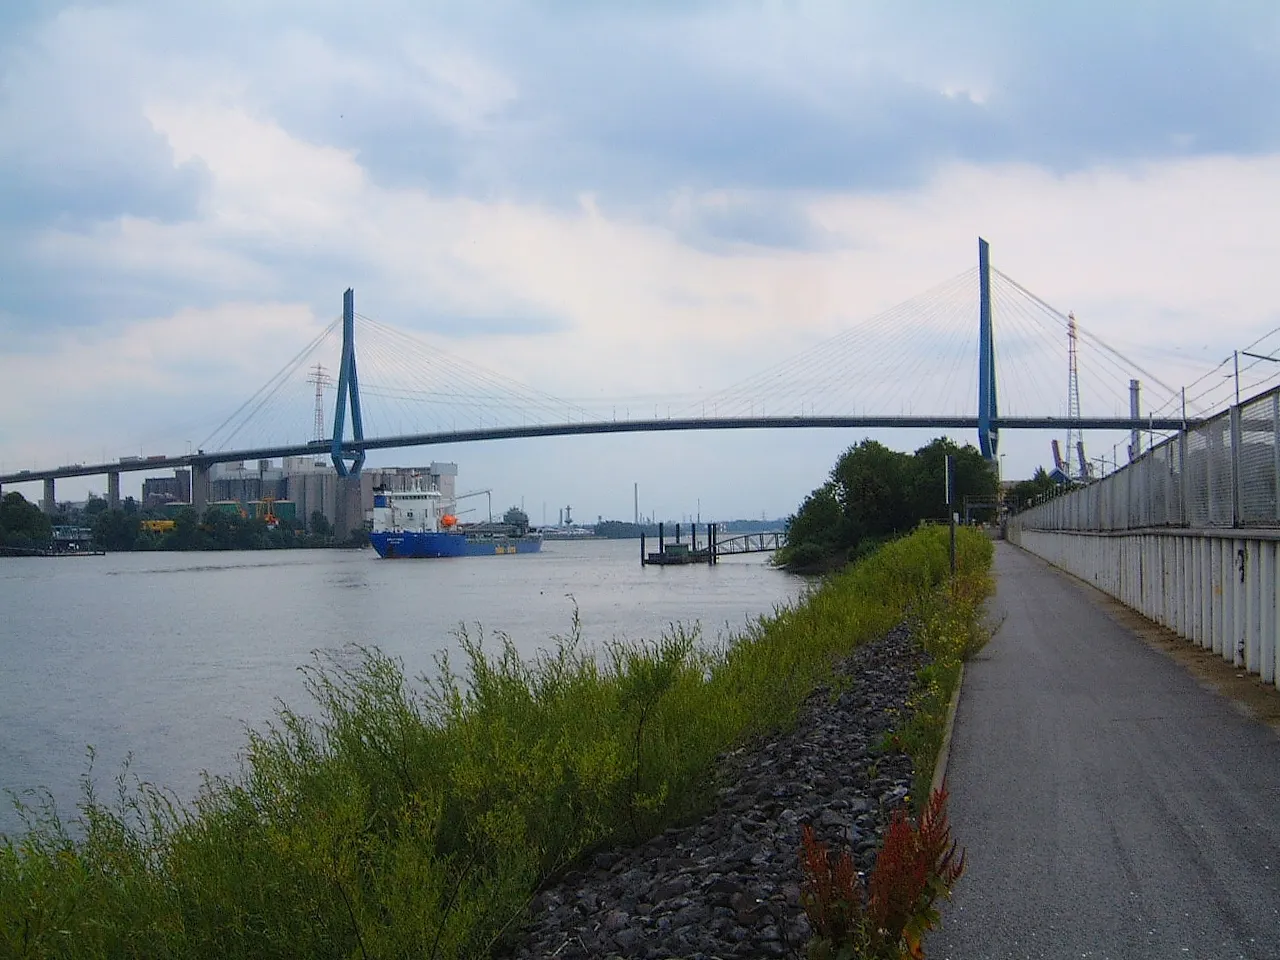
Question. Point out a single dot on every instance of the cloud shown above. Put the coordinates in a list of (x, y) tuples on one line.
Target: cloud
[(720, 221), (79, 148), (147, 386), (530, 103)]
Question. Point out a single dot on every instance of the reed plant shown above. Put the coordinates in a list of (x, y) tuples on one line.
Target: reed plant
[(401, 817)]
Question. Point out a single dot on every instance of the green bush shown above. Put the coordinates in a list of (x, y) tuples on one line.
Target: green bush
[(807, 557), (874, 494), (403, 818)]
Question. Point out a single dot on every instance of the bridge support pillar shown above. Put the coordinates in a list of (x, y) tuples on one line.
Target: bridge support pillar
[(988, 435), (199, 487), (113, 490), (349, 513), (348, 385), (50, 502)]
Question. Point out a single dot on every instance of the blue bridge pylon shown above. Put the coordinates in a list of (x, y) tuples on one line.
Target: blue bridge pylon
[(988, 435), (348, 385)]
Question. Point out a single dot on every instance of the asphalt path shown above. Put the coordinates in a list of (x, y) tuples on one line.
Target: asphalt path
[(1111, 805)]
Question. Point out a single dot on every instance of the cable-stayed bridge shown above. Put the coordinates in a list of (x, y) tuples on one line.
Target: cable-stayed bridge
[(930, 362)]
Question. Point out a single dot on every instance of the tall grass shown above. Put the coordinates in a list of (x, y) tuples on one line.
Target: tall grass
[(401, 818), (950, 625)]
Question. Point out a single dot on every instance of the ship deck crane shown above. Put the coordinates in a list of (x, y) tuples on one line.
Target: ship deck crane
[(476, 493)]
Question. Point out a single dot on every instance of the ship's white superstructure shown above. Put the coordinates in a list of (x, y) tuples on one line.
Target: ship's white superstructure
[(417, 510)]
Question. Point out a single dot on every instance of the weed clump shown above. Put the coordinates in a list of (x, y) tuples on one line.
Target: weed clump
[(949, 624), (887, 917)]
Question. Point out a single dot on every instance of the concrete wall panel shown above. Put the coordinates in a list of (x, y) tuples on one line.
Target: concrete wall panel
[(1219, 589)]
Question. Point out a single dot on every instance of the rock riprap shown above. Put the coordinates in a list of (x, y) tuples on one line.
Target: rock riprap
[(729, 884)]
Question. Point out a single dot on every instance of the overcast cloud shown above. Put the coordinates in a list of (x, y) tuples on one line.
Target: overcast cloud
[(607, 202)]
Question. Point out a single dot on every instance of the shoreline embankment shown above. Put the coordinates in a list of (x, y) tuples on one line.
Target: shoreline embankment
[(434, 816)]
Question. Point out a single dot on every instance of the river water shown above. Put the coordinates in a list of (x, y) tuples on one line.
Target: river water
[(168, 657)]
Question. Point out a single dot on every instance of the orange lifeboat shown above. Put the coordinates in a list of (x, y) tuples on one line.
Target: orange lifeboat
[(448, 520)]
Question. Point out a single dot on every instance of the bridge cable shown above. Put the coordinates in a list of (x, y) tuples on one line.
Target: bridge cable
[(1053, 311), (270, 388)]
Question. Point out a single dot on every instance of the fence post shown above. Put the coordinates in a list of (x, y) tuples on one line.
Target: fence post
[(1235, 466), (1183, 514), (1128, 519), (1213, 441), (1275, 449), (1182, 480)]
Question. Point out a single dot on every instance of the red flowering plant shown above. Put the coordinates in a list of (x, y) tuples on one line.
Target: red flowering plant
[(888, 918)]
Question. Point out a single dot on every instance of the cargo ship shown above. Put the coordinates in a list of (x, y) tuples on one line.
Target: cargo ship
[(421, 523)]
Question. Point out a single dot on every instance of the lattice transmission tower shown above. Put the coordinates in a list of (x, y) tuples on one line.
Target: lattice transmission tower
[(320, 377), (1075, 440)]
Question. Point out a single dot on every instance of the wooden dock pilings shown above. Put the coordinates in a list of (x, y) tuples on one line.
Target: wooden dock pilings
[(679, 553)]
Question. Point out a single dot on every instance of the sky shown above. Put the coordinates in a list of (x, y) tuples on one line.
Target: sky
[(620, 204)]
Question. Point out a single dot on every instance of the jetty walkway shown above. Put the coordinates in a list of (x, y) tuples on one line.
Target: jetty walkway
[(1113, 805)]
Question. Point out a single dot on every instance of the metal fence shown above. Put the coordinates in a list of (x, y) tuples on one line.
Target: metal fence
[(1224, 472)]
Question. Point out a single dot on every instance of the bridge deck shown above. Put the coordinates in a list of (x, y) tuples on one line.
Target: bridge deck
[(322, 448), (1111, 805)]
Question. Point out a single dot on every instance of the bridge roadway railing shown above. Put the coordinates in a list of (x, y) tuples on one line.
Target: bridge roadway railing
[(1188, 534), (769, 541)]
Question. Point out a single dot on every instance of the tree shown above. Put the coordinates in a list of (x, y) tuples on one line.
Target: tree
[(320, 525), (815, 532), (819, 519), (232, 531), (975, 479), (619, 530), (94, 506), (116, 530), (22, 524), (1026, 492), (875, 493), (185, 534), (871, 486)]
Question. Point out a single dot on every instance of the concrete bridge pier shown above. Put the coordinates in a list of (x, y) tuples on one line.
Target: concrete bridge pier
[(199, 487), (349, 512), (49, 504), (113, 490)]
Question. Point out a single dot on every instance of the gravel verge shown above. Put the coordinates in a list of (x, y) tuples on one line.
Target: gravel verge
[(728, 885)]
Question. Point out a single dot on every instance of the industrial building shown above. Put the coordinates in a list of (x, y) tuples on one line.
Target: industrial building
[(159, 491), (309, 483)]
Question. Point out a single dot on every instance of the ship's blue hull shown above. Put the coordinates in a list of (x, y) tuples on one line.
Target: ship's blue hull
[(411, 545)]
